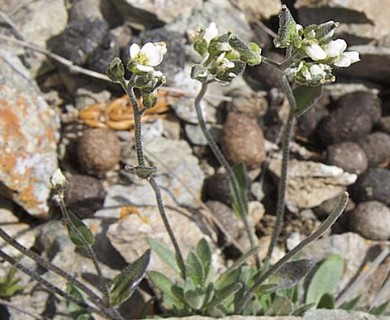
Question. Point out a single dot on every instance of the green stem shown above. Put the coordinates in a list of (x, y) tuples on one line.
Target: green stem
[(151, 180), (87, 247), (330, 220), (49, 266), (50, 287), (286, 138), (161, 209), (222, 160)]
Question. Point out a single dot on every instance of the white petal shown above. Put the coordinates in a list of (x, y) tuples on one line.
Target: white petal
[(352, 55), (335, 48), (211, 32), (144, 68), (315, 69), (154, 52), (315, 52), (134, 50)]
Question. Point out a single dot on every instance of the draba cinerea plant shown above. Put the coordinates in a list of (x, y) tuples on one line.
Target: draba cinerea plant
[(312, 55)]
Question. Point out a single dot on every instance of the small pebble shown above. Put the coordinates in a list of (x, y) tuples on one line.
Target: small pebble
[(377, 148), (374, 184), (85, 195), (243, 141), (217, 187), (371, 220), (348, 156), (98, 151), (352, 118)]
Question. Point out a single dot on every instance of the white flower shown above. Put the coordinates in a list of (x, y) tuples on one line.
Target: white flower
[(211, 32), (146, 58), (335, 49), (58, 180), (315, 52)]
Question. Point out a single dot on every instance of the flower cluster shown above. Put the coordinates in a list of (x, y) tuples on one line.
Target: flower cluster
[(316, 46), (223, 56)]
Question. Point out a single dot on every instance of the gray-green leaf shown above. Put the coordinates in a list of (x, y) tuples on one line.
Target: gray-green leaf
[(78, 232), (125, 283), (240, 173), (305, 97), (194, 269), (166, 255)]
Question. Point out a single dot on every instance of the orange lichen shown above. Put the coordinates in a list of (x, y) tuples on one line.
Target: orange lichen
[(11, 123)]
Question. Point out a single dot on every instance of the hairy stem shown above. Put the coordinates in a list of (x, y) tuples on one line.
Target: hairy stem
[(222, 160), (49, 266), (330, 220), (87, 247), (141, 163), (286, 138), (50, 287)]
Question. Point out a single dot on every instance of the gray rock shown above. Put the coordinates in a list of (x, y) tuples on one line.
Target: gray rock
[(217, 187), (352, 247), (374, 184), (151, 14), (253, 104), (85, 195), (243, 140), (361, 21), (384, 124), (28, 156), (195, 134), (351, 124), (349, 156), (371, 219), (310, 183), (255, 12), (377, 148)]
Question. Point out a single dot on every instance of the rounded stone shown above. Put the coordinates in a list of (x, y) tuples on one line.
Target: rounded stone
[(374, 184), (85, 195), (352, 118), (226, 217), (371, 220), (98, 150), (243, 141), (377, 148), (348, 156), (217, 187)]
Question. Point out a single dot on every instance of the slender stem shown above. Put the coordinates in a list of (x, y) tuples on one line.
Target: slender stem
[(141, 163), (50, 287), (330, 220), (165, 220), (286, 138), (222, 160), (87, 247), (49, 266)]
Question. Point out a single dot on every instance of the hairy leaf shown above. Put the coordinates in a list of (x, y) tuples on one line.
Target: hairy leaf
[(325, 279), (225, 293), (194, 269), (166, 255), (242, 180), (79, 233), (125, 283), (326, 302), (280, 306), (203, 251)]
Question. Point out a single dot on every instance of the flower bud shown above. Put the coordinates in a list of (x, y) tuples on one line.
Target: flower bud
[(116, 70)]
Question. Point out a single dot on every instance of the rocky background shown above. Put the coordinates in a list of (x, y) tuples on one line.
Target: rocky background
[(51, 116)]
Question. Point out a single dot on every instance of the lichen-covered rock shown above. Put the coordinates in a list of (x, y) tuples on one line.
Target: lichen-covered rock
[(243, 140), (374, 184), (28, 138), (371, 220), (98, 150), (352, 118), (377, 148), (348, 156), (85, 195)]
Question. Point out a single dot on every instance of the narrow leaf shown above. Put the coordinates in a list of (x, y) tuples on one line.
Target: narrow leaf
[(379, 309), (240, 173), (306, 96), (290, 274), (349, 305), (166, 255), (194, 269), (223, 294), (125, 283), (166, 286), (325, 279), (76, 311), (326, 302), (299, 311), (203, 251), (78, 232)]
